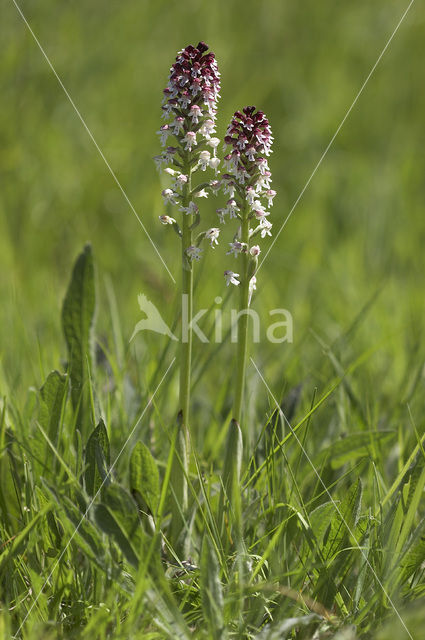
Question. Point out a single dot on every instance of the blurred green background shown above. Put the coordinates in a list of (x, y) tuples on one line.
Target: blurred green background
[(356, 235)]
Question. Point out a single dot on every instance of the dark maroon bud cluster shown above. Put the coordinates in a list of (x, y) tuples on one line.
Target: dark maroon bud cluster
[(250, 138), (190, 98)]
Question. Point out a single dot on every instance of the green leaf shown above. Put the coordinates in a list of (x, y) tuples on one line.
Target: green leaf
[(79, 527), (280, 630), (211, 590), (414, 554), (344, 521), (77, 323), (19, 541), (231, 472), (97, 459), (84, 532), (353, 446), (144, 478), (120, 502), (51, 533), (52, 394), (109, 525), (320, 518)]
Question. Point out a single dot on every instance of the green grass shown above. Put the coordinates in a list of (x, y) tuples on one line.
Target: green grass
[(349, 266)]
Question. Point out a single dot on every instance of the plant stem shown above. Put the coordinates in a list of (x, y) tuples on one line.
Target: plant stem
[(243, 320), (180, 469), (186, 314)]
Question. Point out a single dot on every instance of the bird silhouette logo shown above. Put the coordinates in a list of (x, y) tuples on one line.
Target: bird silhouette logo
[(153, 320)]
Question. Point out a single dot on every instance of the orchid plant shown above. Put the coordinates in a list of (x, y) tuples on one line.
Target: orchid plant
[(189, 109), (248, 183)]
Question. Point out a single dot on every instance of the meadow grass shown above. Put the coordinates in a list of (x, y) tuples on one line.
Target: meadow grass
[(322, 537)]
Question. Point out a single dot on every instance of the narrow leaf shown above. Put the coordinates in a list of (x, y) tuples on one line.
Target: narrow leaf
[(107, 522), (144, 478), (51, 394), (211, 590), (77, 323), (97, 459)]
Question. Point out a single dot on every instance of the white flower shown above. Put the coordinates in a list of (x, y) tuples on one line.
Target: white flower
[(263, 181), (215, 186), (171, 172), (212, 235), (214, 142), (242, 174), (231, 278), (201, 194), (180, 181), (242, 142), (229, 188), (191, 209), (214, 163), (195, 113), (250, 195), (194, 253), (229, 163), (236, 247), (259, 208), (169, 154), (178, 125), (259, 211), (250, 153), (195, 87), (207, 128), (221, 215), (169, 196), (166, 220), (167, 110), (204, 159), (269, 195), (185, 100), (190, 140), (163, 133), (262, 164), (252, 286), (265, 227), (255, 251), (232, 208), (159, 161)]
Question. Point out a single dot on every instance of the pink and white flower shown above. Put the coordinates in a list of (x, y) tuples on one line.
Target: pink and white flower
[(193, 253), (190, 140), (236, 247), (204, 160), (195, 113), (265, 227), (212, 235), (166, 220), (191, 209), (163, 133), (231, 278), (169, 196)]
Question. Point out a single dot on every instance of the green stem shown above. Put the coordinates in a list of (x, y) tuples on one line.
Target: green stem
[(243, 321), (186, 316), (180, 469)]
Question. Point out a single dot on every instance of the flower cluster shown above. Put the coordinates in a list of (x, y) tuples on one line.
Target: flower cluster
[(190, 107), (248, 143)]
